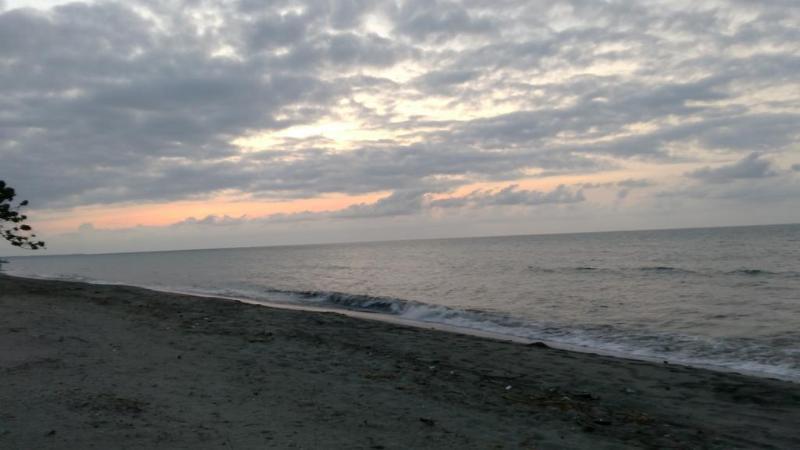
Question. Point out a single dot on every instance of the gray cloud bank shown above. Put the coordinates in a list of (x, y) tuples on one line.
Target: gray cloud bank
[(751, 166), (114, 102)]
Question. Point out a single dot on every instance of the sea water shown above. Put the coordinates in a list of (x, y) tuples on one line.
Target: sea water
[(725, 298)]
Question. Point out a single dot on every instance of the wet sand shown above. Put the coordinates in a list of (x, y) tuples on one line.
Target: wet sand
[(88, 366)]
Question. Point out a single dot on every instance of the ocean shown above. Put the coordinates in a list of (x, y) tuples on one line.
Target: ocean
[(724, 298)]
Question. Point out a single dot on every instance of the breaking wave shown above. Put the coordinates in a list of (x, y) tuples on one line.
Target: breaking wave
[(738, 354), (758, 357)]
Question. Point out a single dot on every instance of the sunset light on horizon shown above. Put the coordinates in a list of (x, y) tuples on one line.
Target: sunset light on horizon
[(158, 125)]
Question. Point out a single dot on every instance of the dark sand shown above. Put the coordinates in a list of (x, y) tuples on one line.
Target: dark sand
[(86, 366)]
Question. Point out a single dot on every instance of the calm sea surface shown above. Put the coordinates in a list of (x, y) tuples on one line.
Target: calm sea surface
[(720, 297)]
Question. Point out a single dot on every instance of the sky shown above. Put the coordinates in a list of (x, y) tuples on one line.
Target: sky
[(173, 124)]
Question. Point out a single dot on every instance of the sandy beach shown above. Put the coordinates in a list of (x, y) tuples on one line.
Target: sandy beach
[(90, 366)]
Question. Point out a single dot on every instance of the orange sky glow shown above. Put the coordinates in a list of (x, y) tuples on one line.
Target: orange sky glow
[(168, 213)]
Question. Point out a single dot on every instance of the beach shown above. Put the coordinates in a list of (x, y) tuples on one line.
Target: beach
[(110, 366)]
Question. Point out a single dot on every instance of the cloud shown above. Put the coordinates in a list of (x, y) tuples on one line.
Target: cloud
[(397, 204), (435, 81), (628, 183), (625, 186), (757, 192), (632, 183), (405, 203), (126, 102), (439, 20), (512, 196), (212, 220), (751, 166), (752, 181)]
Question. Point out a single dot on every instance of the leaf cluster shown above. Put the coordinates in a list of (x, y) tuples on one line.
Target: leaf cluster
[(12, 226)]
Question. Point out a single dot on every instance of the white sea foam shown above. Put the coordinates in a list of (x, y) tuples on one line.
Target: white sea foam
[(689, 296), (686, 350)]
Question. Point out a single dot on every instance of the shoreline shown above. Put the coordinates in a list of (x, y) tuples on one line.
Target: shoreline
[(438, 326), (118, 366)]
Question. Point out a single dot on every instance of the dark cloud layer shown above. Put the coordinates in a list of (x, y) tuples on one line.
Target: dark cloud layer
[(751, 166), (513, 196), (114, 102)]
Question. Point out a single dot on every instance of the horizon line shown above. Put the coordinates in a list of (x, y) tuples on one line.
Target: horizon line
[(411, 240)]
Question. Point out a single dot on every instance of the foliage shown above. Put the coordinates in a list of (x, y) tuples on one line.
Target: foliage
[(12, 226)]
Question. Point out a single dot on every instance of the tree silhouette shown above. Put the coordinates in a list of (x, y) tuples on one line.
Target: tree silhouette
[(12, 227)]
